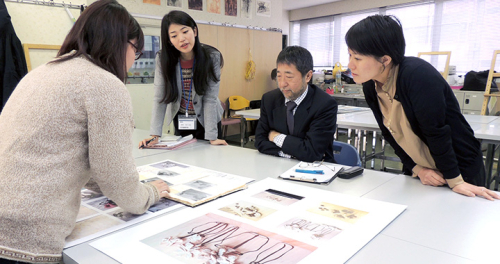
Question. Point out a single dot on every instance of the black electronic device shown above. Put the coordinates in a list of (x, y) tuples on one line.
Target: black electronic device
[(350, 173)]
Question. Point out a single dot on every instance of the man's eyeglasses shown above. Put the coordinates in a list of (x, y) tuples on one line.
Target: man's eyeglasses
[(138, 53)]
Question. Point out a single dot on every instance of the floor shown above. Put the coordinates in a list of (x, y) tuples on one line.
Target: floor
[(390, 166)]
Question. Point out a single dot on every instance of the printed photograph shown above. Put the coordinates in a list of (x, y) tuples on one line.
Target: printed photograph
[(338, 212), (168, 164), (163, 203), (248, 210), (85, 212), (176, 3), (195, 5), (167, 173), (103, 204), (213, 6), (199, 184), (122, 215), (309, 229), (89, 195), (278, 197), (246, 9), (231, 7), (91, 226), (215, 239), (193, 195), (263, 8)]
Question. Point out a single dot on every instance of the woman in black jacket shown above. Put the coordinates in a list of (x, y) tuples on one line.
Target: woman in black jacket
[(415, 108)]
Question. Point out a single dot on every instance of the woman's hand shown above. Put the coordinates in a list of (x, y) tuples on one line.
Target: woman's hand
[(162, 187), (470, 190), (431, 177), (152, 140), (218, 142)]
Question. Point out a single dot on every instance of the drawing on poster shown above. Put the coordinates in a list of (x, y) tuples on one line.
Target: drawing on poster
[(176, 3), (279, 197), (263, 8), (163, 203), (213, 6), (89, 194), (248, 210), (91, 226), (345, 214), (246, 11), (123, 215), (215, 239), (167, 173), (103, 204), (168, 164), (154, 2), (195, 5), (313, 230), (199, 184), (231, 7), (85, 212), (193, 195)]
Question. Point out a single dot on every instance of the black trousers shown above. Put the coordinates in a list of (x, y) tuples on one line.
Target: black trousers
[(199, 133)]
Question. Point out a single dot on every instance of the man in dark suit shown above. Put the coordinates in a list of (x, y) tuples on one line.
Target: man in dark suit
[(298, 119)]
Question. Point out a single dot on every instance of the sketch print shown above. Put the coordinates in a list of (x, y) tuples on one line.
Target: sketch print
[(279, 197), (91, 226), (246, 9), (103, 204), (176, 3), (167, 173), (312, 230), (215, 239), (213, 6), (264, 8), (89, 194), (344, 214), (163, 203), (231, 7), (199, 184), (168, 163), (123, 215), (85, 212), (247, 210), (193, 195), (195, 5)]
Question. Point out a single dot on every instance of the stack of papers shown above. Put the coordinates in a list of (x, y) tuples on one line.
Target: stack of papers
[(173, 142), (313, 172)]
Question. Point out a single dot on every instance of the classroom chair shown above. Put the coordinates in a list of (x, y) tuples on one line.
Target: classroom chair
[(345, 154), (237, 103), (226, 120)]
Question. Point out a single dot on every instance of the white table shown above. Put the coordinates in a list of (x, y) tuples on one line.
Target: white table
[(439, 226)]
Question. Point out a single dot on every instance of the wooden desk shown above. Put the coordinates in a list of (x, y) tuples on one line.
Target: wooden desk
[(439, 225)]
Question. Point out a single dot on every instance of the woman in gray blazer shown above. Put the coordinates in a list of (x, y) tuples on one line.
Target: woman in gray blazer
[(186, 83)]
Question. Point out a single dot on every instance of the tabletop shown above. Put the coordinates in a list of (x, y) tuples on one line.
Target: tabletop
[(439, 226)]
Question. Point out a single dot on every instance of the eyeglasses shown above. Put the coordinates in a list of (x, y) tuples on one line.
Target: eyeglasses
[(138, 53), (310, 164)]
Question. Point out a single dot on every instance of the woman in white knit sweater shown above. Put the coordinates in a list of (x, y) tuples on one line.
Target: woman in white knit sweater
[(69, 124)]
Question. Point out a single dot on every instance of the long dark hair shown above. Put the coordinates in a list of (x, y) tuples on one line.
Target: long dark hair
[(203, 70), (101, 33)]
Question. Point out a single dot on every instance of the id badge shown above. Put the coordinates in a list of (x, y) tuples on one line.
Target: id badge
[(187, 122)]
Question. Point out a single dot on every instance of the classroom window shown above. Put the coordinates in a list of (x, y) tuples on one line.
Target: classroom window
[(467, 28)]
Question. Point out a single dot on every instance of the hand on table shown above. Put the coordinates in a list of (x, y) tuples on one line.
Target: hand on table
[(470, 190), (152, 142), (218, 142), (431, 177), (162, 187)]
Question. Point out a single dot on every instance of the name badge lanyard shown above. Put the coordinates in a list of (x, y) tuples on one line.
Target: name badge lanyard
[(190, 84)]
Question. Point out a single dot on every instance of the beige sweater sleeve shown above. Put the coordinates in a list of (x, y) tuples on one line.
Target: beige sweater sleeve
[(110, 128)]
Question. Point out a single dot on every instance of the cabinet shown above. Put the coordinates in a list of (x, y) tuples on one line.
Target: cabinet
[(470, 102)]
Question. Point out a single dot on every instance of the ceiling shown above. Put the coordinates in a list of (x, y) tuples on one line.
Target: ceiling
[(296, 4)]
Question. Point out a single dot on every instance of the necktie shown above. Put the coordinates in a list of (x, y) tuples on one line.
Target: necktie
[(289, 115)]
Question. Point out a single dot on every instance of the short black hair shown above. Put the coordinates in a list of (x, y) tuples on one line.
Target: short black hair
[(298, 56), (377, 36)]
